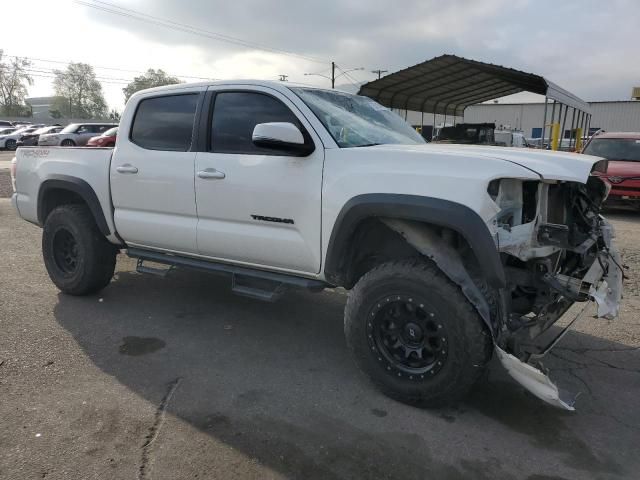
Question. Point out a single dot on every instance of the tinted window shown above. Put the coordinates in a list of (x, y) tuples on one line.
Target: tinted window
[(165, 123), (70, 128), (235, 114), (615, 148)]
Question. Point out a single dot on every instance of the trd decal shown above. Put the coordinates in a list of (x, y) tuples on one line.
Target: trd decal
[(273, 219)]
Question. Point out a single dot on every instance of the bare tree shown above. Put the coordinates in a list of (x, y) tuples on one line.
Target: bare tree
[(80, 93), (14, 80)]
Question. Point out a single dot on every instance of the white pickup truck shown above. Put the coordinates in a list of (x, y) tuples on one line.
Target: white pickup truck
[(450, 252)]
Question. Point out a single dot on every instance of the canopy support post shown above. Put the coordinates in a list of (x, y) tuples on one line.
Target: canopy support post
[(572, 132), (564, 122), (553, 114), (544, 122)]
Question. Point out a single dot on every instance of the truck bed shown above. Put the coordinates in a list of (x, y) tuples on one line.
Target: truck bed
[(86, 167)]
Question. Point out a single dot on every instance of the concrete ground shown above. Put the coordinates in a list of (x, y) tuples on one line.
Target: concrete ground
[(178, 378)]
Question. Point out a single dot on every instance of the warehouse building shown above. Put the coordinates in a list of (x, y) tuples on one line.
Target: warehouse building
[(615, 116)]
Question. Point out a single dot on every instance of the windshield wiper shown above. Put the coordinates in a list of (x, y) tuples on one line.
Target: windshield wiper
[(367, 145)]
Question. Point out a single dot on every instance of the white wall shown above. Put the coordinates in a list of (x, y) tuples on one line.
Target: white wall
[(623, 116)]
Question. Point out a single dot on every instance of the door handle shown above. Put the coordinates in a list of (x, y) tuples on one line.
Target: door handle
[(211, 173), (126, 168)]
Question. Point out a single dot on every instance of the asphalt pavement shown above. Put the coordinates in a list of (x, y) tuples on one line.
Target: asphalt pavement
[(176, 377)]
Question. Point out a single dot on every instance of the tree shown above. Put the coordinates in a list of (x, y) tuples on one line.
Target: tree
[(114, 115), (153, 78), (14, 79), (79, 91)]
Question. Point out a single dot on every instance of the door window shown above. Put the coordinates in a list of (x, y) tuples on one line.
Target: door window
[(165, 123), (235, 115)]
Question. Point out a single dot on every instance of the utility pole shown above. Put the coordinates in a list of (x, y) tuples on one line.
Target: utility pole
[(333, 74), (283, 78), (379, 72)]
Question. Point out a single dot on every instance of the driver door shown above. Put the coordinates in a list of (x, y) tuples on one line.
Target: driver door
[(257, 206)]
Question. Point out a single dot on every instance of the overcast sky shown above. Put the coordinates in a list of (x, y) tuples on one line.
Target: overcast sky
[(587, 47)]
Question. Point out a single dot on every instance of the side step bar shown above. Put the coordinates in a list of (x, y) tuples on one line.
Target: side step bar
[(249, 282)]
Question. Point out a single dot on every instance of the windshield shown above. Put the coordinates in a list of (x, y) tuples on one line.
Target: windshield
[(112, 132), (70, 128), (615, 148), (355, 121)]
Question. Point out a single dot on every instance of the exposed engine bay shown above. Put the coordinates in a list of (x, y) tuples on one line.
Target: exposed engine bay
[(556, 249)]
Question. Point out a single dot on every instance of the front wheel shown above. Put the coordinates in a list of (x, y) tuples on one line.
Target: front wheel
[(79, 259), (68, 143), (10, 144), (415, 335)]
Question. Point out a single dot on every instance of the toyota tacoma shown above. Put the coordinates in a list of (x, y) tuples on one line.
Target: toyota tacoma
[(450, 253)]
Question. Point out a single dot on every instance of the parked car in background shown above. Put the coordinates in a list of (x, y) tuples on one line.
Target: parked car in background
[(467, 134), (74, 134), (510, 138), (107, 139), (6, 123), (7, 130), (622, 150), (31, 139), (10, 140)]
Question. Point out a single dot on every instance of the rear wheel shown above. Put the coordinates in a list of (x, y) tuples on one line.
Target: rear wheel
[(10, 144), (78, 258), (68, 143), (414, 333)]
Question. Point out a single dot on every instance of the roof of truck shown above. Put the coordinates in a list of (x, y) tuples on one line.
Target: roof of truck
[(277, 85)]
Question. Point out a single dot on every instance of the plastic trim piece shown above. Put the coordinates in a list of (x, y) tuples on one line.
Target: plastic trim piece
[(443, 213), (78, 186)]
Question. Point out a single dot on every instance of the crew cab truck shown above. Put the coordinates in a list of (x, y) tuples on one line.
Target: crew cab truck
[(450, 252)]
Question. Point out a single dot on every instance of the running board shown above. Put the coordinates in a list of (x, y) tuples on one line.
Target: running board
[(249, 282)]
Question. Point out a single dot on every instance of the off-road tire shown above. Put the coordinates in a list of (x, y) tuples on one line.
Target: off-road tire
[(95, 257), (468, 346)]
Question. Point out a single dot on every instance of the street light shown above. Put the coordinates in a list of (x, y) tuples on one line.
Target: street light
[(333, 74)]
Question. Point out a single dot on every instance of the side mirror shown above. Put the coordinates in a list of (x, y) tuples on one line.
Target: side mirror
[(281, 136)]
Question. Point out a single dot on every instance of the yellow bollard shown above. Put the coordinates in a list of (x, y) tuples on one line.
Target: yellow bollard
[(555, 136), (578, 139)]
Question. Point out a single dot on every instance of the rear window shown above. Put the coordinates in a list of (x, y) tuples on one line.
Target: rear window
[(70, 128), (615, 148), (165, 123)]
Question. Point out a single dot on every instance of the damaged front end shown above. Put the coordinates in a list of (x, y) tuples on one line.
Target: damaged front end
[(557, 250)]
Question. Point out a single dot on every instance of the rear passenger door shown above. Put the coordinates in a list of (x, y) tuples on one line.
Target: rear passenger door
[(152, 173), (261, 207)]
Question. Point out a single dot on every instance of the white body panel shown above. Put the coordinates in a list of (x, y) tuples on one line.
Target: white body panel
[(165, 206), (154, 207), (286, 187), (35, 165)]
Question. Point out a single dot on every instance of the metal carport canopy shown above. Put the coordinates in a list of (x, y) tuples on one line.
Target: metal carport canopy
[(448, 84)]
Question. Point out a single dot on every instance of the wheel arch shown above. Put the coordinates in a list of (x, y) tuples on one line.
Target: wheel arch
[(434, 211), (61, 189)]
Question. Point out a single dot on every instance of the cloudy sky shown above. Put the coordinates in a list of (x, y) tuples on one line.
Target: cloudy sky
[(588, 47)]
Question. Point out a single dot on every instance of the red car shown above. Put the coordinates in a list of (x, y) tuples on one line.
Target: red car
[(107, 139), (622, 150)]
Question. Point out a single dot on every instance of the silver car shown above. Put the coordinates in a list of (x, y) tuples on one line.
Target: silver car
[(74, 134)]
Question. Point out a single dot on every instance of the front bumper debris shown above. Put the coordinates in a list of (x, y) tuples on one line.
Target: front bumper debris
[(603, 282), (534, 380)]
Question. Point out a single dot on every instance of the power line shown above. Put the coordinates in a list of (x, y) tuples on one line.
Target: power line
[(106, 68), (183, 27)]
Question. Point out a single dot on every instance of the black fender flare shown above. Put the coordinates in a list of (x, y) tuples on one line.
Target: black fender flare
[(79, 187), (443, 213)]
